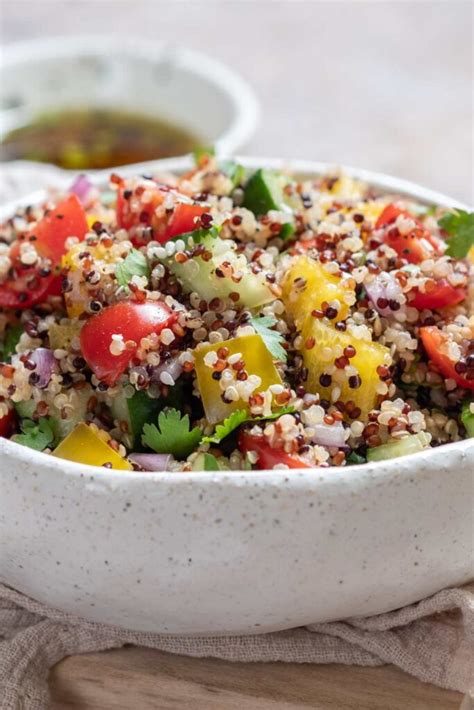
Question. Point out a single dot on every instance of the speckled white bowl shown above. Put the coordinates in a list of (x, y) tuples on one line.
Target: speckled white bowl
[(237, 552)]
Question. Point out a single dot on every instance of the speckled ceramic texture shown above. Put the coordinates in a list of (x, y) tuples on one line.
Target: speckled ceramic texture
[(205, 553)]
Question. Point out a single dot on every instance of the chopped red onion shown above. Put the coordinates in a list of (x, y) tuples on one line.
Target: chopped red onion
[(384, 287), (152, 462), (81, 187), (331, 435), (173, 367), (45, 365)]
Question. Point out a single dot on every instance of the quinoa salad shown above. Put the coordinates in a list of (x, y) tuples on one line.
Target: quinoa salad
[(235, 319)]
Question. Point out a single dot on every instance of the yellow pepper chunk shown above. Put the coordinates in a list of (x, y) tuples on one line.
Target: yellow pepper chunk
[(85, 446), (329, 344), (307, 284), (258, 361)]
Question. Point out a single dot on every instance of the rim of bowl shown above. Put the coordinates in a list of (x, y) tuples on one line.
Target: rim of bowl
[(245, 105), (306, 168)]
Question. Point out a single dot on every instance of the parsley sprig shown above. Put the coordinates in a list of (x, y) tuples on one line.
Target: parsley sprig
[(460, 225), (172, 435), (272, 338), (36, 435), (134, 264)]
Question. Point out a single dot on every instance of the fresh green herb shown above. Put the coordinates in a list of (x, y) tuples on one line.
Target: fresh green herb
[(233, 170), (201, 151), (272, 338), (173, 435), (232, 422), (287, 230), (210, 463), (240, 416), (37, 435), (135, 264), (460, 225), (467, 418), (354, 458), (12, 336)]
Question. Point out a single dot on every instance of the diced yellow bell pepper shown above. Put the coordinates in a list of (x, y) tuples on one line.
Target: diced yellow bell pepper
[(85, 446), (258, 361), (318, 286), (61, 336), (328, 344)]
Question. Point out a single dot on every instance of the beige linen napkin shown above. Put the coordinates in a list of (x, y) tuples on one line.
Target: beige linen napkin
[(433, 640)]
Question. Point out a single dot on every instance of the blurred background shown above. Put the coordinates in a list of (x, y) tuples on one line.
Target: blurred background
[(382, 85)]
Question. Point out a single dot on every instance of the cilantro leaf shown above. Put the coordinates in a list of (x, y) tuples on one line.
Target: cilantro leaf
[(354, 458), (287, 230), (460, 225), (135, 264), (172, 436), (272, 338), (37, 436), (234, 171), (233, 421), (12, 336), (210, 463), (238, 417)]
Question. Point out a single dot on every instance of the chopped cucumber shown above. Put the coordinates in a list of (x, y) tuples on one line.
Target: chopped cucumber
[(263, 192), (207, 277), (135, 411), (467, 418), (409, 445), (208, 462)]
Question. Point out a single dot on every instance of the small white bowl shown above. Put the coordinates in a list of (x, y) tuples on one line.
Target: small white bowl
[(237, 552), (154, 78)]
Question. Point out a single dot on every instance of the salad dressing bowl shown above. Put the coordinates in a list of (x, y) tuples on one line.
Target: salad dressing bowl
[(237, 552)]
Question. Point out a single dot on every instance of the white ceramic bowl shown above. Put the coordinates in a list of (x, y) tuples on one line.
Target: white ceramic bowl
[(156, 78), (231, 553)]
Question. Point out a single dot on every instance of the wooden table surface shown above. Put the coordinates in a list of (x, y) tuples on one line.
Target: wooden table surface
[(144, 679)]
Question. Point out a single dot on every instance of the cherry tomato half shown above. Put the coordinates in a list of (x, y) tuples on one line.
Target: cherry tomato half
[(415, 246), (133, 321), (441, 296), (30, 285), (267, 456), (433, 339), (185, 218), (6, 423)]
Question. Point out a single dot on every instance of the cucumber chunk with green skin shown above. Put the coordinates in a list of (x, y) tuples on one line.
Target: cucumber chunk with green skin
[(135, 411), (263, 192), (209, 280), (467, 418), (409, 445)]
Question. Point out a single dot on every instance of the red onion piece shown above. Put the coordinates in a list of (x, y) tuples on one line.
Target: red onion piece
[(384, 286), (81, 187), (331, 435), (173, 367), (45, 365), (152, 462)]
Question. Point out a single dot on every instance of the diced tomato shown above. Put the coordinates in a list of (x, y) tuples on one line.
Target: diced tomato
[(32, 285), (185, 218), (268, 457), (415, 246), (6, 423), (433, 339), (145, 217), (441, 296), (133, 321)]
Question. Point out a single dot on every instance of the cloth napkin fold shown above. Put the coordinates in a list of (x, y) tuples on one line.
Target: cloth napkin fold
[(432, 640)]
